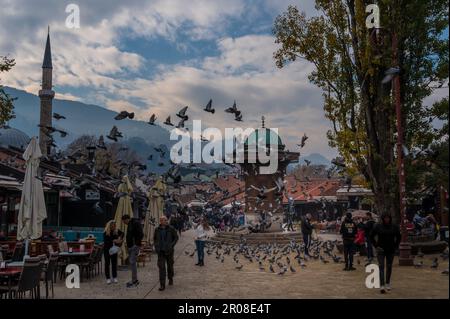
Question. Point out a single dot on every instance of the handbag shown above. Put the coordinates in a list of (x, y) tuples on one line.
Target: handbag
[(114, 250)]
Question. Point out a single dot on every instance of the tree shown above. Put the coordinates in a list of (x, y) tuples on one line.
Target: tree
[(6, 101), (350, 63)]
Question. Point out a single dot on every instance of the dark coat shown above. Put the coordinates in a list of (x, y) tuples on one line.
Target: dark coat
[(386, 236), (165, 239), (307, 228), (134, 233)]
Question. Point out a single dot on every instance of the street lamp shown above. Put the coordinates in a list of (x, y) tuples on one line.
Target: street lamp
[(405, 247)]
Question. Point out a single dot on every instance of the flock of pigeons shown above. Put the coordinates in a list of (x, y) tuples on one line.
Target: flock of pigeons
[(184, 117), (281, 259)]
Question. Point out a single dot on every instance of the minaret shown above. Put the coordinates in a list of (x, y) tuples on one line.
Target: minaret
[(46, 95)]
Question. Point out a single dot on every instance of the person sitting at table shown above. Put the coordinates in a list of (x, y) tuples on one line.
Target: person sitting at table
[(51, 236), (3, 236), (111, 237)]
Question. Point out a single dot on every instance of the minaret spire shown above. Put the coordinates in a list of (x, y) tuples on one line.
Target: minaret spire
[(47, 64), (46, 95)]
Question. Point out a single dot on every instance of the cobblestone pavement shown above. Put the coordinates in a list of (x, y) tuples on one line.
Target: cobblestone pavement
[(222, 280)]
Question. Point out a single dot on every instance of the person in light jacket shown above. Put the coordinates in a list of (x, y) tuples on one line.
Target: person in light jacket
[(201, 235)]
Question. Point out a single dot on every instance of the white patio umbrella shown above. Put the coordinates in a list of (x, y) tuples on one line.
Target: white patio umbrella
[(32, 209)]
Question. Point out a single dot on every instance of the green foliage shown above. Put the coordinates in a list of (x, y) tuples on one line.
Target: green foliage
[(6, 102), (350, 62)]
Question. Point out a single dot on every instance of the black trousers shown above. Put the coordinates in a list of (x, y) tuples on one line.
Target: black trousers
[(349, 250), (389, 258), (110, 260), (163, 260), (307, 241)]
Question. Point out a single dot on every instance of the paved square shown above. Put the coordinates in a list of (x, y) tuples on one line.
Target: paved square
[(223, 280)]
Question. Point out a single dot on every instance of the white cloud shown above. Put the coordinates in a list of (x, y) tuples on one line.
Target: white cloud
[(91, 59)]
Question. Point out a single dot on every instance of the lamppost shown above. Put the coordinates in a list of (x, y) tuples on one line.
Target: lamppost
[(405, 246), (393, 74)]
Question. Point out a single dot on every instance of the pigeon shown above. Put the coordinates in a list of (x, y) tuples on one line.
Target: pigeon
[(308, 162), (292, 269), (232, 109), (238, 116), (181, 123), (303, 141), (152, 119), (390, 73), (271, 268), (420, 253), (123, 115), (61, 132), (101, 143), (418, 264), (209, 108), (445, 272), (435, 263), (167, 122), (182, 113), (114, 134), (57, 116), (239, 267)]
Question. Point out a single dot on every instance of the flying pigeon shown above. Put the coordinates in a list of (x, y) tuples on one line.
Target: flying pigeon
[(167, 121), (152, 120), (123, 115), (182, 113), (209, 108), (303, 141), (57, 116), (232, 109)]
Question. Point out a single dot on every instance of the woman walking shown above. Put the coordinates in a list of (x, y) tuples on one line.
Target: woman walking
[(112, 239), (201, 234), (386, 239)]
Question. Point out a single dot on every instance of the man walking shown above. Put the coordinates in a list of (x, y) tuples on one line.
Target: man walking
[(133, 238), (348, 231), (307, 229), (165, 239)]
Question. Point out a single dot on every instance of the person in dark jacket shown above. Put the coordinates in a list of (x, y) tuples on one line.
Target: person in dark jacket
[(348, 231), (307, 229), (164, 239), (133, 239), (111, 237), (368, 227), (386, 238)]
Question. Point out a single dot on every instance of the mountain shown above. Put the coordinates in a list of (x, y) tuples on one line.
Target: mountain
[(94, 120), (315, 158), (81, 119)]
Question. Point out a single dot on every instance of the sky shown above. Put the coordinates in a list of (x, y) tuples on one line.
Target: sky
[(157, 56)]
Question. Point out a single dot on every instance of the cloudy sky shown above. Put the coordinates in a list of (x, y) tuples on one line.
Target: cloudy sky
[(158, 56)]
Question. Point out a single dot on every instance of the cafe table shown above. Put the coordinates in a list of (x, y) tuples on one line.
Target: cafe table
[(10, 273)]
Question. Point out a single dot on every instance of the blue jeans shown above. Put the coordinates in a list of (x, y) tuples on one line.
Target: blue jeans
[(200, 244)]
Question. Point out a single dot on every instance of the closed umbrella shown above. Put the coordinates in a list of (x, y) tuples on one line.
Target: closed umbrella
[(32, 211), (124, 207)]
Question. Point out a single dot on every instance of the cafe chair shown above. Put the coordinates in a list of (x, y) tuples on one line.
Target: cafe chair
[(49, 274), (29, 280)]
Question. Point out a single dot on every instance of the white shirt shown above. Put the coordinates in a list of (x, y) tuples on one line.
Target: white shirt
[(200, 232)]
